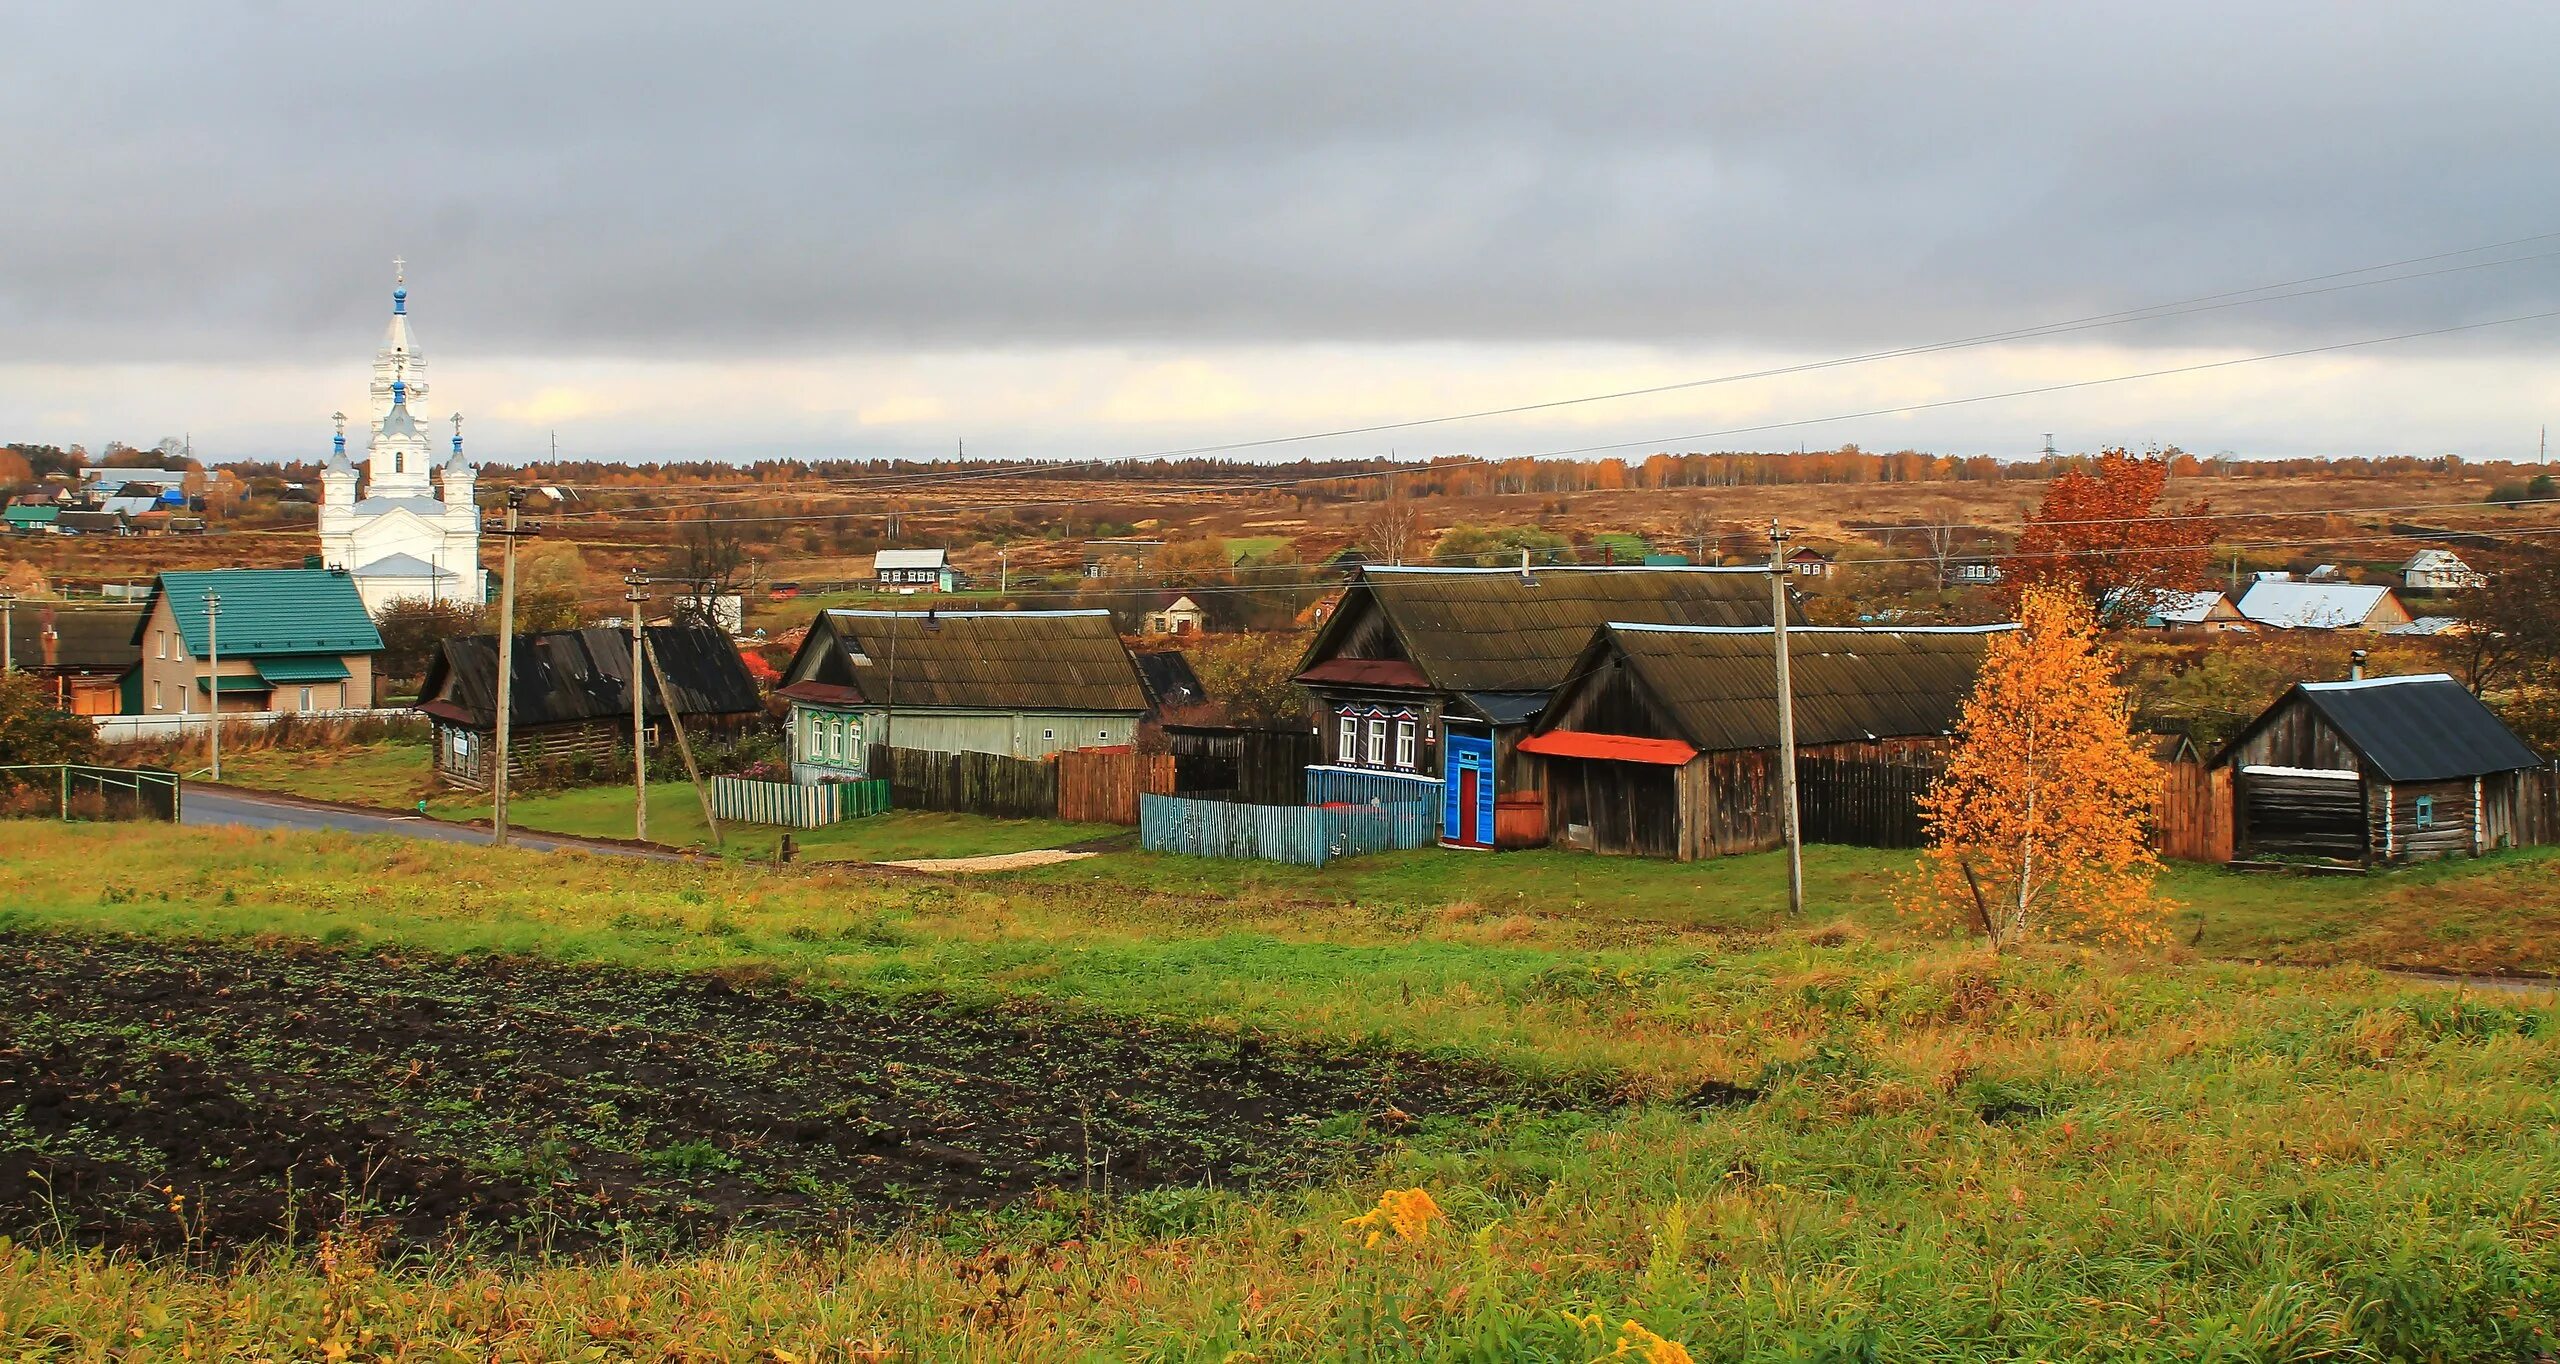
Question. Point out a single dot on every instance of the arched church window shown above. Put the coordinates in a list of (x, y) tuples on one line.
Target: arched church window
[(399, 462)]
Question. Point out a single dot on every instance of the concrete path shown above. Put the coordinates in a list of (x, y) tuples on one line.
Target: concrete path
[(1037, 857), (200, 804)]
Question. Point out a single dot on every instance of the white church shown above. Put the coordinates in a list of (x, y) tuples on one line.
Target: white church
[(400, 538)]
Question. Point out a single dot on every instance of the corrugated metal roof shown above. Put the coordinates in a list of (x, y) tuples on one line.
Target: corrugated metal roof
[(2310, 606), (2423, 728), (975, 660), (908, 558), (1493, 629), (1720, 686), (87, 638), (269, 611), (574, 676)]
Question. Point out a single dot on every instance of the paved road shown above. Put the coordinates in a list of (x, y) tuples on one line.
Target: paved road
[(202, 804)]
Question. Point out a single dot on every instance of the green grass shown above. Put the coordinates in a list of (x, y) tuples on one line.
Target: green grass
[(675, 817), (1255, 546), (391, 774), (2059, 1154)]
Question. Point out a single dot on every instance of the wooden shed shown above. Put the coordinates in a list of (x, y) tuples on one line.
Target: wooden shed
[(2381, 769), (571, 696), (1664, 743)]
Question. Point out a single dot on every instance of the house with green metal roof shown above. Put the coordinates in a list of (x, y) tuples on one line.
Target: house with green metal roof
[(32, 520), (290, 640)]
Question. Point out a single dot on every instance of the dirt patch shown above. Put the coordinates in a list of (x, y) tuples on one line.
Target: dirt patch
[(174, 1096)]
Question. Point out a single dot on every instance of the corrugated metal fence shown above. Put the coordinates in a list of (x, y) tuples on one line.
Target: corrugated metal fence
[(1305, 835), (1353, 786), (795, 805), (972, 783)]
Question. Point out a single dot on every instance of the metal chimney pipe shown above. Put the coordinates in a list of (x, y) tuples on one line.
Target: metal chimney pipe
[(2355, 666)]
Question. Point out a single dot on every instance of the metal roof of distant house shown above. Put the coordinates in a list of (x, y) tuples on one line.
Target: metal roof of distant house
[(2435, 561), (107, 480), (86, 638), (967, 660), (1169, 679), (1720, 687), (909, 558), (2426, 727), (2310, 606), (129, 506), (2428, 625), (574, 676), (2181, 608), (1497, 630), (268, 611), (33, 515)]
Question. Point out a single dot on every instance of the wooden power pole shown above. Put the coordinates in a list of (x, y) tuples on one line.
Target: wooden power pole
[(213, 682), (506, 660), (639, 723), (667, 699), (1786, 718)]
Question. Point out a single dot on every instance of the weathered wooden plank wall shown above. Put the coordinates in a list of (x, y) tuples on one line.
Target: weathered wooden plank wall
[(1249, 766), (972, 783), (1102, 785), (2192, 822)]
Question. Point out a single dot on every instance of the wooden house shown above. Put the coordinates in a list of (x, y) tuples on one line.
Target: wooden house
[(2205, 612), (1811, 563), (1431, 675), (290, 640), (570, 698), (914, 570), (1174, 613), (85, 657), (1025, 684), (1665, 741), (2281, 604), (2380, 769), (2439, 570)]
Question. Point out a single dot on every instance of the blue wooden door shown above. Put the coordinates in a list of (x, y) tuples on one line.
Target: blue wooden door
[(1466, 792)]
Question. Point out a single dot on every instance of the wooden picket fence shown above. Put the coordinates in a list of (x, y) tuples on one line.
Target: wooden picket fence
[(1102, 785), (796, 805), (969, 783)]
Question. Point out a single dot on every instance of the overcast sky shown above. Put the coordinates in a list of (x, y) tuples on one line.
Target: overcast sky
[(852, 229)]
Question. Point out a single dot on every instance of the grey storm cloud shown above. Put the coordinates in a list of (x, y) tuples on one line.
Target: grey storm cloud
[(719, 180)]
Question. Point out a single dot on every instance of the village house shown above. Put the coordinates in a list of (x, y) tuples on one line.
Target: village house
[(83, 656), (2208, 612), (1174, 613), (77, 522), (1810, 563), (1025, 684), (2380, 769), (2280, 604), (1431, 675), (570, 697), (914, 570), (2439, 570), (289, 640), (1118, 558), (1664, 743), (33, 519)]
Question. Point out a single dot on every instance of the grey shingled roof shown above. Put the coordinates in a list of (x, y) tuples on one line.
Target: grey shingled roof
[(974, 660), (1720, 686)]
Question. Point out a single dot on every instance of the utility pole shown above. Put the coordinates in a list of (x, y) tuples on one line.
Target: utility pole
[(8, 629), (1004, 572), (1786, 718), (675, 722), (213, 681), (506, 662), (639, 724)]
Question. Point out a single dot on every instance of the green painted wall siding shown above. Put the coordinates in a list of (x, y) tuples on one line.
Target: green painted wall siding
[(838, 739)]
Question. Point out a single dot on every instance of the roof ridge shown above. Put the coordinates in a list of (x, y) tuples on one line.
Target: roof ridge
[(1994, 629)]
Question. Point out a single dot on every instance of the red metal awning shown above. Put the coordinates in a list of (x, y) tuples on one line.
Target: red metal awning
[(1625, 748)]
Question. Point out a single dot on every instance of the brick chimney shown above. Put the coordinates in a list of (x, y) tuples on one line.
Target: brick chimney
[(52, 640)]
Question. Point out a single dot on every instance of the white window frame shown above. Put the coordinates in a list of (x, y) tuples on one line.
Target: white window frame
[(306, 700), (1408, 747), (159, 700), (1346, 740), (1375, 750)]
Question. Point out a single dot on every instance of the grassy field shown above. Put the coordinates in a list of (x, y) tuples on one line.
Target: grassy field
[(1831, 1141), (393, 773)]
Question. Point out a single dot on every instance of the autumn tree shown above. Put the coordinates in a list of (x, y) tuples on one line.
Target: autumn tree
[(34, 730), (414, 632), (2106, 534), (1391, 532), (1248, 678), (2036, 830)]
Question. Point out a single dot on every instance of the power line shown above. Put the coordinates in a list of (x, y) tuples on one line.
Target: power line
[(2153, 312)]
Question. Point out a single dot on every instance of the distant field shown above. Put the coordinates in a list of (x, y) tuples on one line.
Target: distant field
[(1831, 1141)]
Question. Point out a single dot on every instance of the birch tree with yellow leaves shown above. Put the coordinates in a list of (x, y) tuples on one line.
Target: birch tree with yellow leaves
[(2036, 830)]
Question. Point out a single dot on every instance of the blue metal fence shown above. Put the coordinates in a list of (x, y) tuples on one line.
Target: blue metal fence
[(1306, 835)]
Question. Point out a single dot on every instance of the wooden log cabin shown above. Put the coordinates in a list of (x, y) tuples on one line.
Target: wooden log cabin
[(1664, 743), (2383, 769), (1432, 675), (571, 699)]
